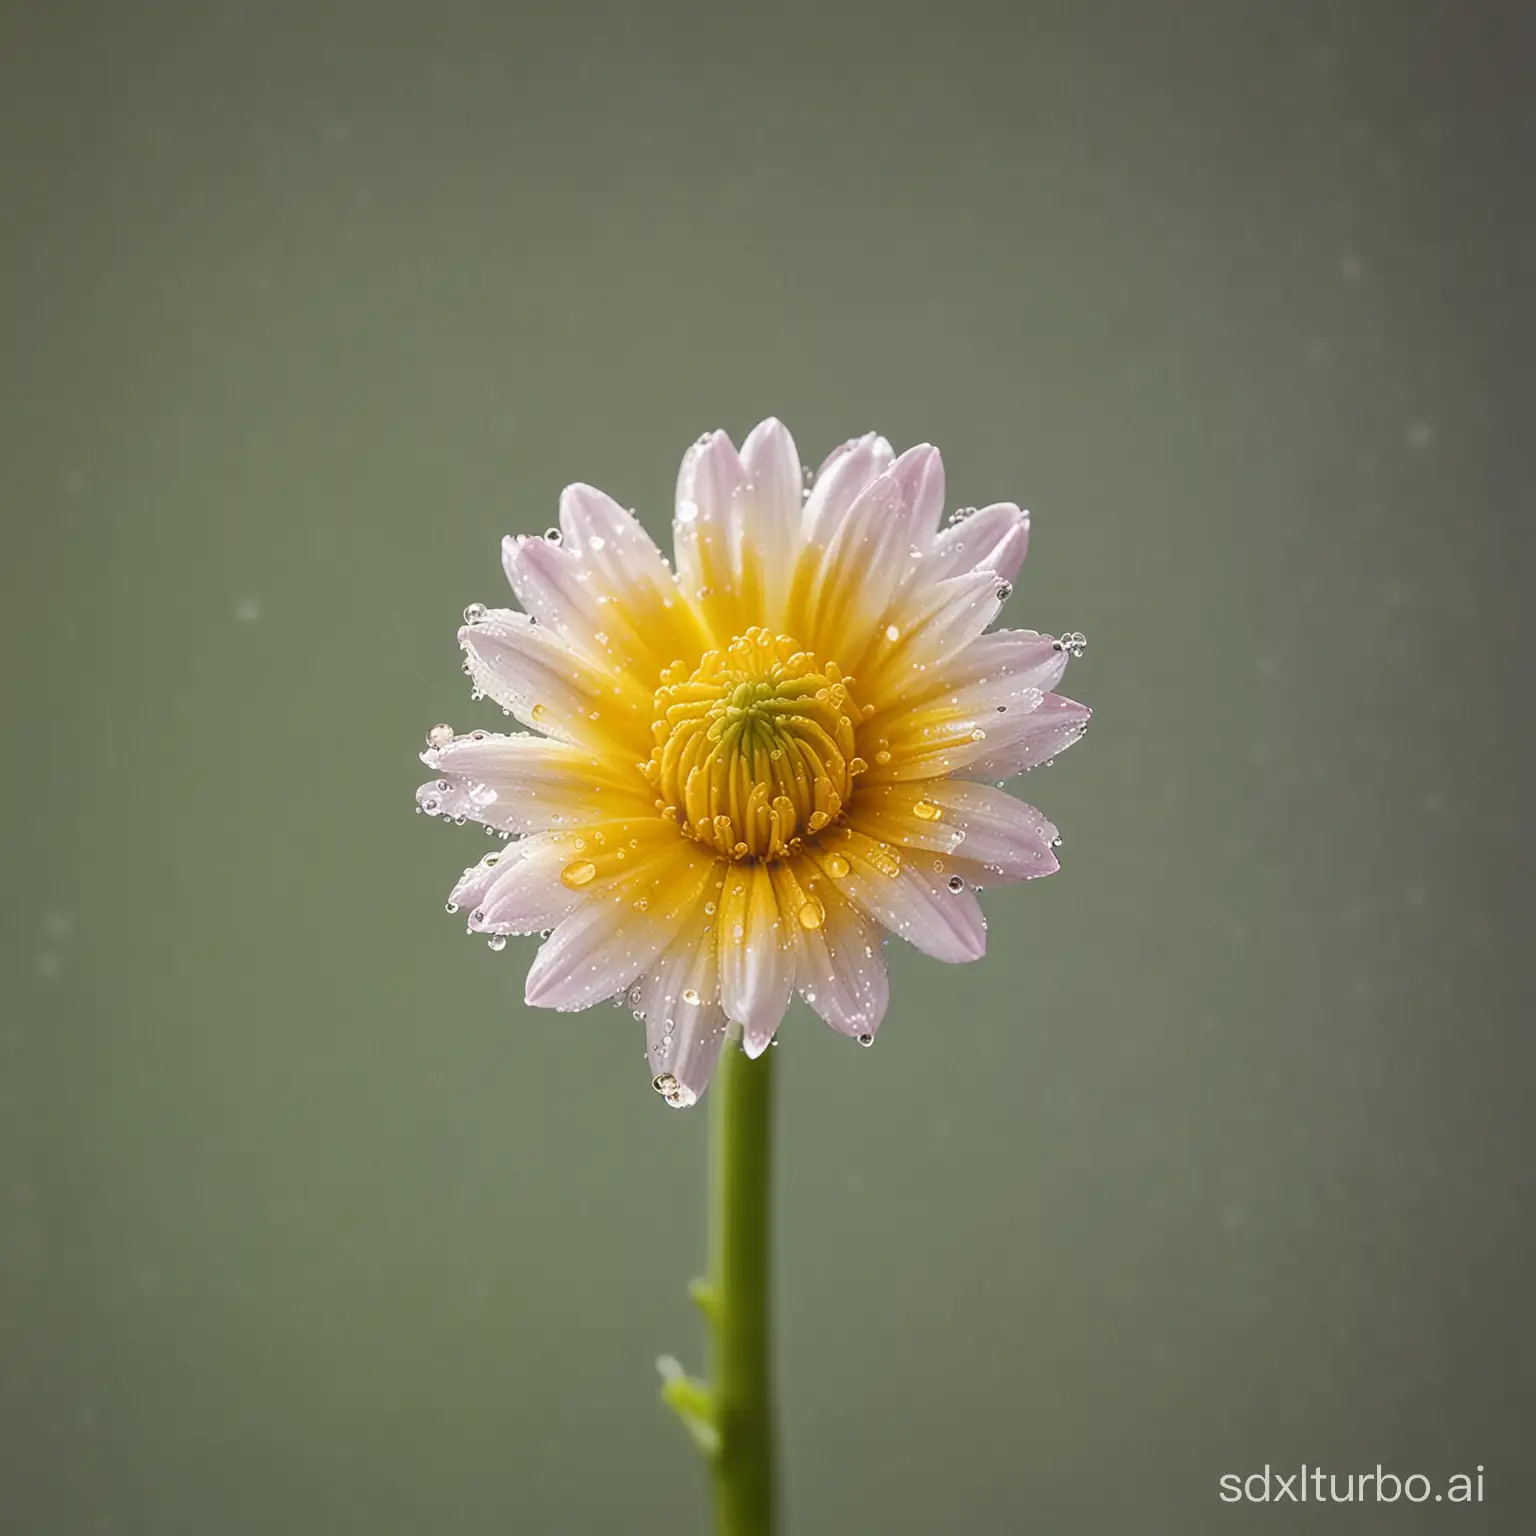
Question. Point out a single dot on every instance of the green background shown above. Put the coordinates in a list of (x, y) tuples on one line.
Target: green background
[(1221, 1157)]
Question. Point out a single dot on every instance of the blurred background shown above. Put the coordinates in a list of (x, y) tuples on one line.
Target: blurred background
[(1221, 1158)]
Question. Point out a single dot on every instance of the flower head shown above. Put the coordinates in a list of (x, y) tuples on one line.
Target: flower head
[(737, 777)]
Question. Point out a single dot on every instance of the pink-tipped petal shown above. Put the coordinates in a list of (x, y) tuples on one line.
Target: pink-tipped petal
[(608, 940), (684, 1022), (910, 895), (1005, 839), (845, 472), (921, 630), (985, 686), (517, 889), (710, 535), (543, 683), (1037, 737), (617, 633), (772, 463), (994, 539), (920, 474), (851, 569), (757, 969), (527, 783), (636, 616), (838, 956)]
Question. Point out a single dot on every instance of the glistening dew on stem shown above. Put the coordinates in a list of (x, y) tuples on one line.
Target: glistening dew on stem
[(736, 779)]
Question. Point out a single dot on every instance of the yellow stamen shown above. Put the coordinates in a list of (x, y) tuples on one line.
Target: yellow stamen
[(755, 750)]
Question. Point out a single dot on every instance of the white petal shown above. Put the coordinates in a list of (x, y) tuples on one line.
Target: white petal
[(910, 895), (756, 963)]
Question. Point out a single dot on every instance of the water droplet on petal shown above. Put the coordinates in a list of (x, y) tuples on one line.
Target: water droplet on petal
[(576, 875), (956, 883), (811, 915), (664, 1083), (1004, 591), (552, 535), (690, 997), (497, 942), (926, 810), (836, 866), (474, 613), (439, 735), (866, 1039)]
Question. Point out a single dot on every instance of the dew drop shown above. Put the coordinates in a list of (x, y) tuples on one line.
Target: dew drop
[(892, 632), (496, 943), (474, 613), (450, 907), (956, 883), (576, 875), (1004, 591), (552, 535), (836, 866), (866, 1040), (690, 997), (687, 511), (439, 735), (926, 810), (664, 1083), (811, 915)]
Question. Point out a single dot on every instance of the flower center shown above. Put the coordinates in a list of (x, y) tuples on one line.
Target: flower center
[(755, 748)]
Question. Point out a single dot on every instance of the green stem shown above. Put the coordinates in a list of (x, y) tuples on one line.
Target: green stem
[(737, 1301)]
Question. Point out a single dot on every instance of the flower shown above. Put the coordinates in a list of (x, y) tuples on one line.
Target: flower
[(738, 776)]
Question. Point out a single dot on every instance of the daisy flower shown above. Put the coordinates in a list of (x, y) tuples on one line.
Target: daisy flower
[(739, 775)]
